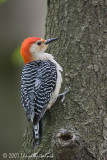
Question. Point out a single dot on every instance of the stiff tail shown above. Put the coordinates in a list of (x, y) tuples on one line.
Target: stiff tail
[(37, 132)]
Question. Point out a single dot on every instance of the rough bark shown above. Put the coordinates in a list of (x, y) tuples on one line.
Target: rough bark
[(77, 128)]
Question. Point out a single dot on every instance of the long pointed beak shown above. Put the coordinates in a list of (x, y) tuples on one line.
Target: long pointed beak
[(50, 40)]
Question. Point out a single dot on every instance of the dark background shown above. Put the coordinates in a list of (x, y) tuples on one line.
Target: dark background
[(19, 19)]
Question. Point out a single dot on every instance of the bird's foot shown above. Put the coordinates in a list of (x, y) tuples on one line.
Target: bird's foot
[(63, 94)]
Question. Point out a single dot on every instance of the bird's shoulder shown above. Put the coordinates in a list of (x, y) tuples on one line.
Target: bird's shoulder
[(38, 63), (38, 68)]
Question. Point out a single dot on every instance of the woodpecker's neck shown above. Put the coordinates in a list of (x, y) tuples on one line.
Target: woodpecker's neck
[(46, 56), (43, 56)]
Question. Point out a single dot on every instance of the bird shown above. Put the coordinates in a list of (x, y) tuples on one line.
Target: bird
[(41, 81)]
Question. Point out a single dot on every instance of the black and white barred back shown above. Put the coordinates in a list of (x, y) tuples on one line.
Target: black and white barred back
[(37, 85)]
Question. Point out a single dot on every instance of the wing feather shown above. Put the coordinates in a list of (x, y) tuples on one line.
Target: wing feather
[(37, 87)]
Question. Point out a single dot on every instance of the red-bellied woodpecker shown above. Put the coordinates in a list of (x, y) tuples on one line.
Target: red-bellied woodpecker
[(41, 80)]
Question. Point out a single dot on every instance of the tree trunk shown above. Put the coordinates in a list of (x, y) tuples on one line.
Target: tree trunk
[(77, 128)]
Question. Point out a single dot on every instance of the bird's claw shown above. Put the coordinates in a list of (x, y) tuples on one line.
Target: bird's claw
[(63, 94)]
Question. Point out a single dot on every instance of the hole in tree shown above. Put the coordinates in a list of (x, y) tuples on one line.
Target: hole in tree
[(65, 137)]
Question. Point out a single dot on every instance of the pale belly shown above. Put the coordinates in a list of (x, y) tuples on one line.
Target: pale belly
[(56, 91)]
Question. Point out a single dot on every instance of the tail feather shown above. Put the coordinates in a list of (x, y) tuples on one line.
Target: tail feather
[(37, 132), (40, 131)]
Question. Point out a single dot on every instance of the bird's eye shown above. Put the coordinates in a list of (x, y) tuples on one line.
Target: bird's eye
[(39, 43)]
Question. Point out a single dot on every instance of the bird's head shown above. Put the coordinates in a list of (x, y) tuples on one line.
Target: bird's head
[(34, 46)]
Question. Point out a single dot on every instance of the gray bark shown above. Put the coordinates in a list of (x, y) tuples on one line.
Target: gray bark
[(77, 128)]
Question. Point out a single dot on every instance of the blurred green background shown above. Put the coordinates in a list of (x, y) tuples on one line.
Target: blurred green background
[(19, 19)]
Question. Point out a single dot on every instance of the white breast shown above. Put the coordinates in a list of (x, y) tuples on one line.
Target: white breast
[(58, 85)]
